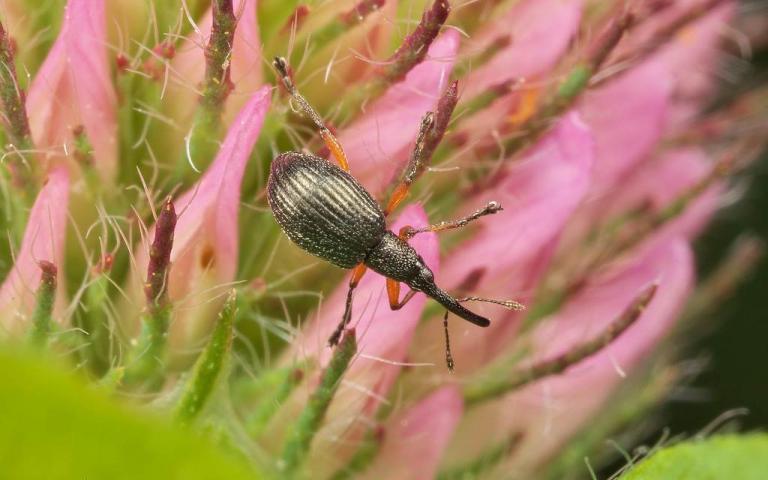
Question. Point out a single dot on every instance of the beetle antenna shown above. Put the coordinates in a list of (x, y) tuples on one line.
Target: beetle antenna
[(330, 140), (448, 356), (508, 304)]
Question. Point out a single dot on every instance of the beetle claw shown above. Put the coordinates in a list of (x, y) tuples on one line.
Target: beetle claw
[(333, 340)]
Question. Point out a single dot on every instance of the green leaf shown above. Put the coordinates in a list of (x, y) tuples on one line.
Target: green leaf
[(724, 456), (55, 427)]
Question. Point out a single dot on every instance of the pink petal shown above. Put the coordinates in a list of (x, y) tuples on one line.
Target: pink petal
[(547, 413), (661, 181), (627, 116), (668, 263), (205, 247), (43, 240), (539, 194), (208, 211), (188, 65), (246, 56), (692, 60), (344, 61), (540, 32), (74, 87), (378, 142), (414, 441)]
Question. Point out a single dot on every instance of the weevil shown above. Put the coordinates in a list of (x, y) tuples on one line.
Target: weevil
[(323, 209)]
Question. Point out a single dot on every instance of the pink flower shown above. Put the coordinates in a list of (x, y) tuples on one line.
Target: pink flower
[(414, 440), (538, 32), (205, 247), (539, 194), (622, 144), (380, 140), (74, 88), (659, 182), (576, 116), (43, 241), (692, 59), (599, 161), (547, 413)]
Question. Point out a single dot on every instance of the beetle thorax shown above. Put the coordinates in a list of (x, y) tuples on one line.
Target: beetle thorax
[(395, 259)]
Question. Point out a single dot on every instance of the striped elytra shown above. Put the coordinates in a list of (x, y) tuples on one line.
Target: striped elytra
[(323, 209)]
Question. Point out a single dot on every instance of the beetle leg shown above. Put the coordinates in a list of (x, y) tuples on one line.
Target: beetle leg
[(357, 274), (448, 356), (414, 165), (492, 207), (329, 139), (393, 292)]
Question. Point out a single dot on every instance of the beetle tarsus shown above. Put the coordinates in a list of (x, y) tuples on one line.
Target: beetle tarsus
[(448, 356), (335, 337), (333, 340)]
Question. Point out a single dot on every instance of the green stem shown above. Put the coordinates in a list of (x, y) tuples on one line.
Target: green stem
[(146, 360), (217, 85), (324, 35), (45, 297), (209, 367), (17, 123), (368, 449), (490, 387), (93, 318), (485, 462), (411, 52), (299, 440), (275, 387)]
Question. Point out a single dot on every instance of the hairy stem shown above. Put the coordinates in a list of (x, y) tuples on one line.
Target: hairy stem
[(298, 443), (210, 367), (45, 297), (488, 388)]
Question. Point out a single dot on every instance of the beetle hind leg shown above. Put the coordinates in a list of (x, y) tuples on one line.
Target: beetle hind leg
[(329, 139)]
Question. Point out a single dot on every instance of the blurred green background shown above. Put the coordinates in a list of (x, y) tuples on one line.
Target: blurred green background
[(736, 345)]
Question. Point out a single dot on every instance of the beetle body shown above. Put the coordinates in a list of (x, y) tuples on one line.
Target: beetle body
[(325, 211)]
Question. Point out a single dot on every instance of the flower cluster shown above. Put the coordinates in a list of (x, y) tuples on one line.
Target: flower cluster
[(138, 243)]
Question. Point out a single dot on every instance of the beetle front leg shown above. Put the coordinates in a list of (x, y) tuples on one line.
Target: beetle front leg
[(409, 232), (357, 274), (393, 292)]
